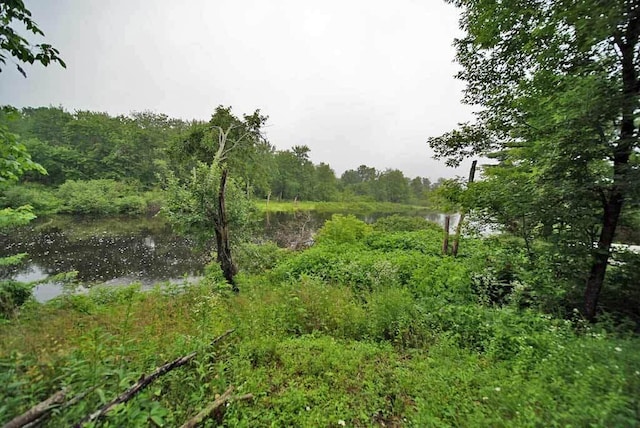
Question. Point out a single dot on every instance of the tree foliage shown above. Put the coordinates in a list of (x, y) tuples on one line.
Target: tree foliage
[(557, 84), (13, 45)]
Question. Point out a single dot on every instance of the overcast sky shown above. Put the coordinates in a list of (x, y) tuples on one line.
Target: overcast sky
[(358, 81)]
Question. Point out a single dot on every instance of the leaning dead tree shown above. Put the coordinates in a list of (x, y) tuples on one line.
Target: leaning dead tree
[(36, 415)]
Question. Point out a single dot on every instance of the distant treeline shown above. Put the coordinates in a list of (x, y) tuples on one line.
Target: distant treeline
[(86, 145)]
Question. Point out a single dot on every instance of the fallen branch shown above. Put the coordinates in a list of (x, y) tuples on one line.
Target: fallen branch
[(207, 411), (38, 422), (143, 382), (37, 411)]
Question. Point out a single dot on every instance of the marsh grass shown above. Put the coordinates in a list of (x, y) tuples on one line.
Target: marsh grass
[(354, 207)]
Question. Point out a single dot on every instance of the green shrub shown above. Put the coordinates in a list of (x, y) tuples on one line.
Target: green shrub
[(427, 242), (100, 197), (342, 230), (391, 314), (41, 198), (131, 205), (13, 294), (442, 280), (258, 258)]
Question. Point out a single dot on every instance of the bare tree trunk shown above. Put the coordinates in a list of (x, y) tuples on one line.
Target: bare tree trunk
[(229, 269), (267, 209), (445, 240), (456, 239)]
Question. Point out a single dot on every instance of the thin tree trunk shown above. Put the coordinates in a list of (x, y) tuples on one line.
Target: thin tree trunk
[(612, 204), (267, 209), (229, 269), (456, 239), (445, 240), (601, 255)]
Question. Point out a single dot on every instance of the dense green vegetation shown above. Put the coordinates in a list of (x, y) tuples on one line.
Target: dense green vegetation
[(556, 85), (372, 325), (139, 149)]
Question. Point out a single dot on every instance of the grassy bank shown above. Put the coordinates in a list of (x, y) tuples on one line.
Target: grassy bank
[(339, 207), (370, 327)]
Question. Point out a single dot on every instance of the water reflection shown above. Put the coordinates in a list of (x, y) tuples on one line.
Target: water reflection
[(122, 251), (100, 253)]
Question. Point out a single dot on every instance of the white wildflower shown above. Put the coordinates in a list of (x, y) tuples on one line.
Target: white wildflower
[(342, 423), (497, 388), (618, 349)]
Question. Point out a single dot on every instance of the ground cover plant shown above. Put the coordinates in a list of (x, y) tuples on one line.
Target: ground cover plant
[(372, 326)]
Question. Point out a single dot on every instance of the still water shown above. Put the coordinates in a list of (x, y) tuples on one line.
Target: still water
[(109, 251), (119, 251)]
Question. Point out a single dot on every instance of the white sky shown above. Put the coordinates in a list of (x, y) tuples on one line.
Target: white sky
[(358, 81)]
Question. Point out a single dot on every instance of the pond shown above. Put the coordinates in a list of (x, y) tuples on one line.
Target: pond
[(119, 251), (113, 251)]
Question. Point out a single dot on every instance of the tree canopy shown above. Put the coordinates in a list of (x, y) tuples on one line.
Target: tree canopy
[(557, 84)]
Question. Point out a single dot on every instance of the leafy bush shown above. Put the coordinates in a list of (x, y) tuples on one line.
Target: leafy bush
[(441, 281), (391, 313), (41, 198), (100, 197), (131, 205), (342, 230), (13, 294), (258, 258), (427, 242)]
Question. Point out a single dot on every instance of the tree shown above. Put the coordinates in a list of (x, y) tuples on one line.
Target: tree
[(557, 83), (420, 187), (295, 174), (14, 157), (324, 183), (199, 203), (13, 45), (392, 186), (361, 181)]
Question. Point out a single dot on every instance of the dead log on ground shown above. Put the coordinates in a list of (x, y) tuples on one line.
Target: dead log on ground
[(37, 411), (143, 382), (207, 411)]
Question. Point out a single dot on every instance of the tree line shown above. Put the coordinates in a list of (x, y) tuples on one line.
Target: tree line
[(137, 148)]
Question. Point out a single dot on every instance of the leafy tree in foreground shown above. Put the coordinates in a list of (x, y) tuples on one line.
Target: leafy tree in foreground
[(14, 157), (558, 85), (13, 45)]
